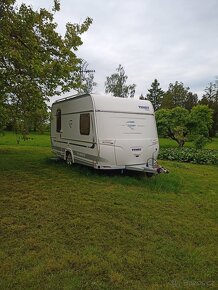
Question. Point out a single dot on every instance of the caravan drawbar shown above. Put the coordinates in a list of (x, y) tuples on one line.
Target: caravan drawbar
[(105, 132)]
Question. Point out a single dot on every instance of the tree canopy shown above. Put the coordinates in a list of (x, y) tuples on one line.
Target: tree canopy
[(173, 124), (36, 62), (116, 84), (178, 123), (179, 95)]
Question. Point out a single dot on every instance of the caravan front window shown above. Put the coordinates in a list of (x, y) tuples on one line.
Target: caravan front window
[(85, 124), (58, 120)]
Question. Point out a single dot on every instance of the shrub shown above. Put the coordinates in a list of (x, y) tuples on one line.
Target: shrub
[(190, 155), (200, 142)]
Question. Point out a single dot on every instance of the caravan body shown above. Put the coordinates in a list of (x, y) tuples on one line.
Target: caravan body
[(105, 132)]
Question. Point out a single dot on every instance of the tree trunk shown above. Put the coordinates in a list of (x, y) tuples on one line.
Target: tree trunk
[(181, 143)]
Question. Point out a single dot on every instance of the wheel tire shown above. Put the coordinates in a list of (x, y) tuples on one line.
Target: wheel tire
[(69, 159), (149, 174)]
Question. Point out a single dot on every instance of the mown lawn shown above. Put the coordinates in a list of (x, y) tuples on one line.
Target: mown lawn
[(75, 228)]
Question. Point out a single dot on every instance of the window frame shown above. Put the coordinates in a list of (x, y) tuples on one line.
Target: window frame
[(83, 127), (58, 120)]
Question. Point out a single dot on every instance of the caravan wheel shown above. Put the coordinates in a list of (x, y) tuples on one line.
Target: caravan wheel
[(69, 159), (149, 174)]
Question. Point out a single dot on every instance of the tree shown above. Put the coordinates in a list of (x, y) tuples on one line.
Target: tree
[(30, 116), (3, 117), (155, 95), (211, 92), (116, 84), (175, 96), (36, 62), (88, 83), (210, 98), (178, 123), (191, 100), (201, 119), (173, 123), (178, 95)]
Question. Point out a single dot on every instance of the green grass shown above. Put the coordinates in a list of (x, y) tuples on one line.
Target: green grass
[(213, 145), (76, 228), (35, 139)]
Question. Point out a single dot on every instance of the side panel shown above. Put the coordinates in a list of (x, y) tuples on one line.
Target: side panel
[(107, 154), (83, 147)]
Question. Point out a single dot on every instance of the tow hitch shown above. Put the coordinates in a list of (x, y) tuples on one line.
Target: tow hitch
[(152, 162), (161, 169), (148, 169)]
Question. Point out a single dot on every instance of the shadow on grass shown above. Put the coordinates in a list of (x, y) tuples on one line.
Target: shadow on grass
[(160, 183)]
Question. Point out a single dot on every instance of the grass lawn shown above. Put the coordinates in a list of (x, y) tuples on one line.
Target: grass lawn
[(76, 228)]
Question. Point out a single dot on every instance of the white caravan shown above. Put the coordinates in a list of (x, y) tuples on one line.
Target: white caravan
[(105, 132)]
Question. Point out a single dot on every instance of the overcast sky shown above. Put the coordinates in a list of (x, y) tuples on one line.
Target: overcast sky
[(171, 40)]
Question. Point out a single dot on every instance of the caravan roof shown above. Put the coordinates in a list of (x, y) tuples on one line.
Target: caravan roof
[(114, 104), (127, 105)]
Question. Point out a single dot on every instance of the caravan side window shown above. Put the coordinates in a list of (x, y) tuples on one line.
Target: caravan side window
[(58, 120), (85, 124)]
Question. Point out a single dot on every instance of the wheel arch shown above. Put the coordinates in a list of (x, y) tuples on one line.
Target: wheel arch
[(68, 151)]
